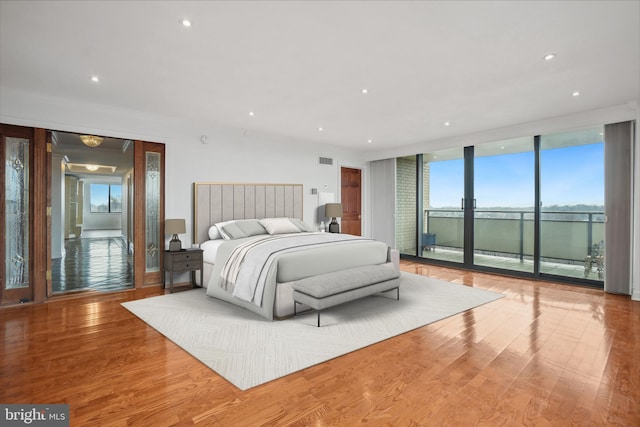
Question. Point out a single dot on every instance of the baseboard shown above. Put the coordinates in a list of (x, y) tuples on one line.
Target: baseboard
[(636, 295)]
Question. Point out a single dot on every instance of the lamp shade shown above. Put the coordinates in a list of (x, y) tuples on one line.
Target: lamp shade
[(175, 226), (333, 210)]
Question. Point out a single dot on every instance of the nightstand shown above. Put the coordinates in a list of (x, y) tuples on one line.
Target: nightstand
[(181, 261)]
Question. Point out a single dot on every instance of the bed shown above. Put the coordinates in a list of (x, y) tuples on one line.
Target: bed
[(256, 245)]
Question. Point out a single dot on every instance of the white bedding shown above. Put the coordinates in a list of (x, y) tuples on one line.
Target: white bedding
[(289, 266), (210, 248), (244, 274)]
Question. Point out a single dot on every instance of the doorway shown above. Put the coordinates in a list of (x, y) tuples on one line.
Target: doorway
[(29, 199), (91, 242)]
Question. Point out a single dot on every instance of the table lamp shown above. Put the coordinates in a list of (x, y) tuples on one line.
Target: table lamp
[(175, 227), (333, 211)]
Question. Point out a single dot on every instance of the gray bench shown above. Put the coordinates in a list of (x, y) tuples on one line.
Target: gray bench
[(330, 289)]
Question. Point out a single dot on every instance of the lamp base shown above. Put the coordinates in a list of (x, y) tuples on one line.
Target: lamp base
[(334, 227), (175, 245)]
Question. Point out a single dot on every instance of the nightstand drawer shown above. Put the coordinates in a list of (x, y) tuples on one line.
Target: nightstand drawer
[(186, 256), (186, 266)]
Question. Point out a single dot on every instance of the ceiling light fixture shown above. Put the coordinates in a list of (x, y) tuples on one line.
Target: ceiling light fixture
[(95, 79), (369, 141), (576, 93), (365, 91), (251, 113), (320, 129), (186, 23), (549, 56), (91, 141), (84, 167), (447, 123)]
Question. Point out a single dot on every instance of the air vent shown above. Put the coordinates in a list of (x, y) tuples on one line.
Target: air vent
[(326, 161)]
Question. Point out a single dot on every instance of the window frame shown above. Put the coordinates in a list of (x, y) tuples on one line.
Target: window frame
[(110, 209)]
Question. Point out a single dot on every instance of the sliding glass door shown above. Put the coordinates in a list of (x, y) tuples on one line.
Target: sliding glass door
[(532, 206), (442, 235), (572, 241), (503, 204)]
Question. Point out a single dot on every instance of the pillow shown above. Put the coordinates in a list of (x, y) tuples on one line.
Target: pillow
[(279, 225), (230, 230), (251, 227), (303, 226), (214, 233)]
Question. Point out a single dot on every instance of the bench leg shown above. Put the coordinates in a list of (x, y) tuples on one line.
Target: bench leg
[(318, 318)]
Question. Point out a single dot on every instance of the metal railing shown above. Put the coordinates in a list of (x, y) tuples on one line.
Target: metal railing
[(566, 236)]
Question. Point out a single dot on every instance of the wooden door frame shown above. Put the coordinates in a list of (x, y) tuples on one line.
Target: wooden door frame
[(40, 220), (140, 276), (36, 291)]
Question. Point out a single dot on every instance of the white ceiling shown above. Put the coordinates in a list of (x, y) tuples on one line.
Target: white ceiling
[(302, 65), (113, 152)]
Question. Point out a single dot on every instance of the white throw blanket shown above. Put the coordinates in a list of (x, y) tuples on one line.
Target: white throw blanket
[(246, 269)]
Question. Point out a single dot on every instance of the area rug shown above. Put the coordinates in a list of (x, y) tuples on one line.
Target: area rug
[(248, 350)]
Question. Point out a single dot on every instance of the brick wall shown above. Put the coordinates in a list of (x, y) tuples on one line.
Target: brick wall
[(406, 226), (406, 205)]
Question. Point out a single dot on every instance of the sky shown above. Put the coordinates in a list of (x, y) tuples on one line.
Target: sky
[(100, 194), (569, 176)]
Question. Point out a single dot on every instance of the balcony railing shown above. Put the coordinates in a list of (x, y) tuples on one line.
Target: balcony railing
[(565, 236)]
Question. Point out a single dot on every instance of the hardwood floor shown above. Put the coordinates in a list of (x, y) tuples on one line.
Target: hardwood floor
[(546, 354)]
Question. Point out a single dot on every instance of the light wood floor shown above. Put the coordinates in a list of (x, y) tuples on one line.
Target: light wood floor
[(546, 354)]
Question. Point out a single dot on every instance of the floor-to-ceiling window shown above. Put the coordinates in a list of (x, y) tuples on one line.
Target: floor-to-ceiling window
[(503, 204), (442, 234), (572, 204), (530, 205)]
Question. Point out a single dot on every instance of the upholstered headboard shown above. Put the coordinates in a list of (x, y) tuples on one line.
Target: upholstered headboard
[(215, 202)]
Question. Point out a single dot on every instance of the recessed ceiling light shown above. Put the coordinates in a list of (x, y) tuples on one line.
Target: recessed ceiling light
[(95, 79), (549, 56), (251, 113), (369, 141), (576, 93), (186, 23), (365, 90), (447, 123), (320, 129)]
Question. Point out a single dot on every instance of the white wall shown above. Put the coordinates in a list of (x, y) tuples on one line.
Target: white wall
[(231, 155), (57, 206)]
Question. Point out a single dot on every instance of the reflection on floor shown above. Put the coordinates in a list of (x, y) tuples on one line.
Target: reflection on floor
[(93, 263), (576, 269)]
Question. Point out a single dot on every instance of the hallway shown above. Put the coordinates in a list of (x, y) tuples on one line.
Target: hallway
[(100, 263)]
